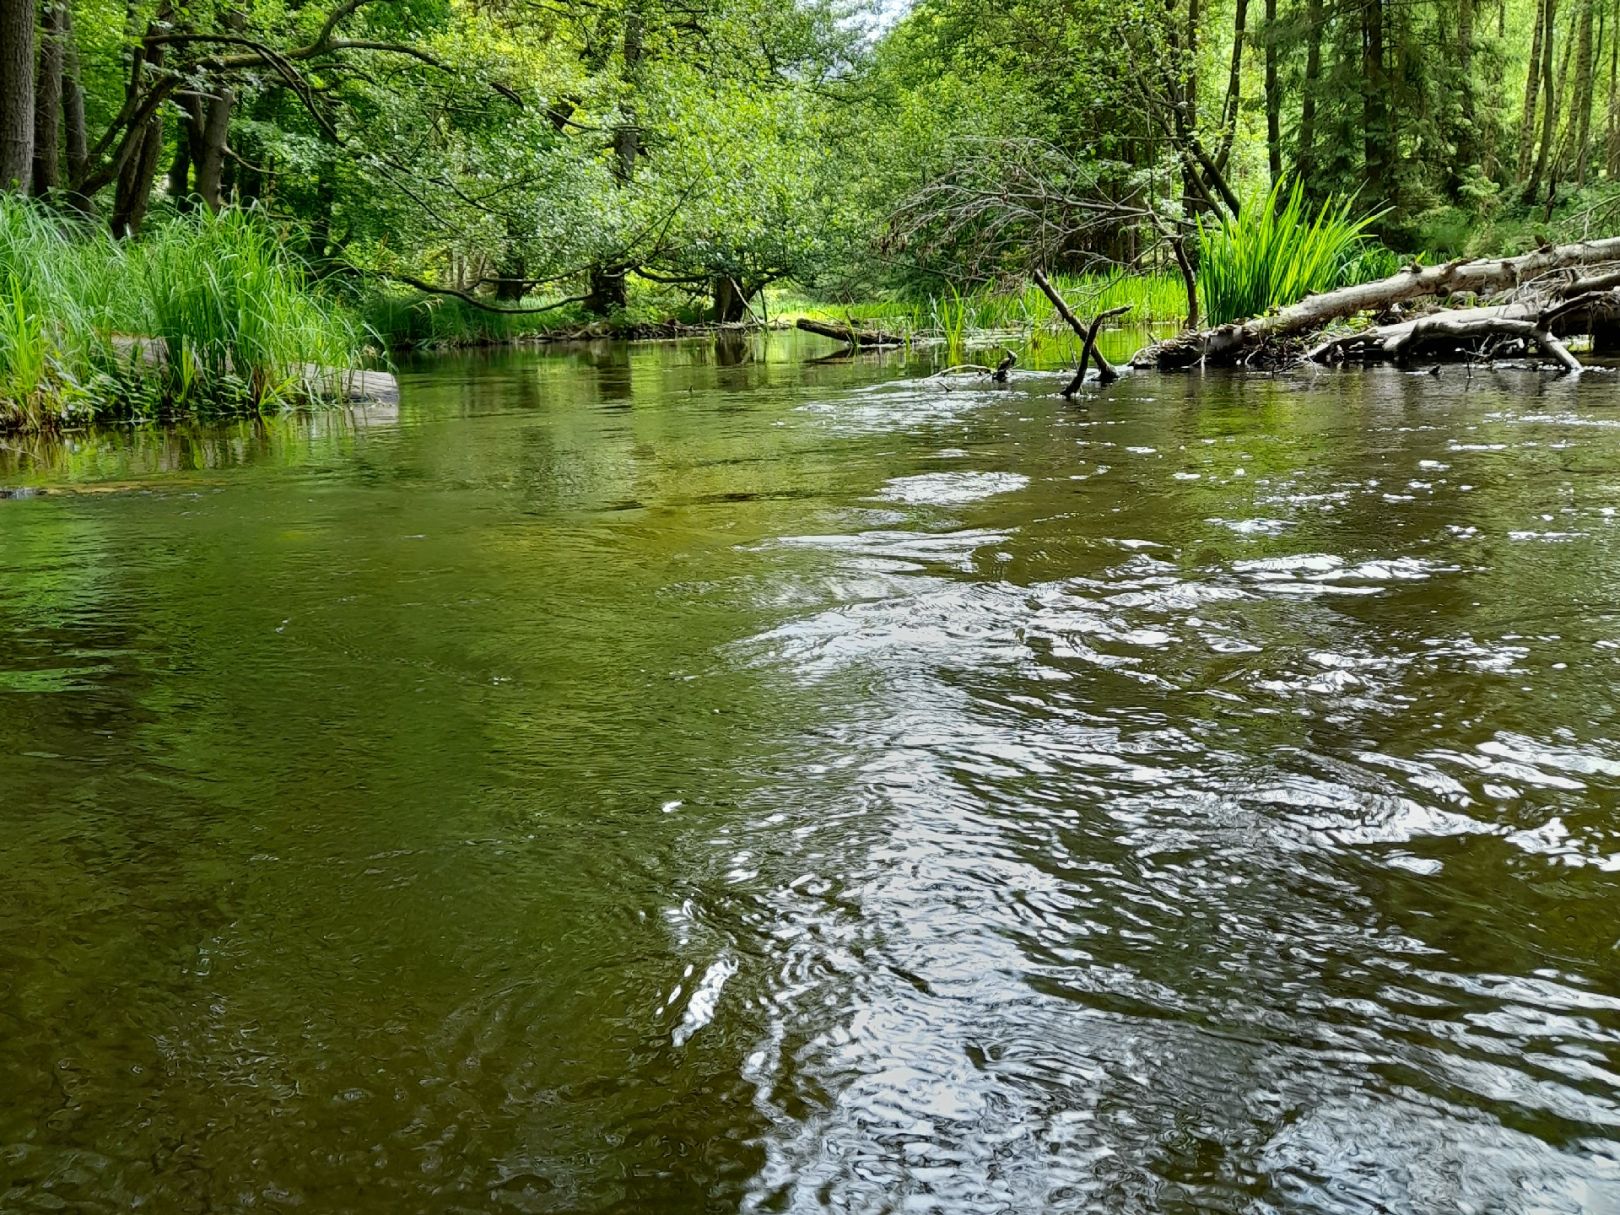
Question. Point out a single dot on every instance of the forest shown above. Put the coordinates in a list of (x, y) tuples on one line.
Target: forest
[(443, 171)]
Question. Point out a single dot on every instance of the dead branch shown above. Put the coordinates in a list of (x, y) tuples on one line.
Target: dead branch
[(1106, 373)]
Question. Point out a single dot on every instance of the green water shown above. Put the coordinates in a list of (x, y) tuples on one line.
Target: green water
[(688, 779)]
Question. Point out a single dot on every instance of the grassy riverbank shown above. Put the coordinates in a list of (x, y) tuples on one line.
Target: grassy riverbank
[(206, 315)]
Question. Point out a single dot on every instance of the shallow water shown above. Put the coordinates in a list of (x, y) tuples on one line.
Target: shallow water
[(687, 779)]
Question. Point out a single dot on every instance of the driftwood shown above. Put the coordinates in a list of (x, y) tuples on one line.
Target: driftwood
[(998, 373), (1235, 343), (1470, 329), (1106, 372), (849, 334)]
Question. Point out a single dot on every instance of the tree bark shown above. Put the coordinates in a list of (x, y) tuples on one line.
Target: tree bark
[(1305, 163), (179, 185), (76, 135), (16, 94), (1234, 85), (845, 333), (209, 155), (608, 291), (1374, 102), (48, 100), (1582, 119), (1401, 342), (1611, 147), (730, 300), (1273, 97), (133, 192), (1549, 106), (1532, 93)]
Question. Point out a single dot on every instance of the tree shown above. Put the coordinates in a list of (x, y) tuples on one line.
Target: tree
[(16, 94)]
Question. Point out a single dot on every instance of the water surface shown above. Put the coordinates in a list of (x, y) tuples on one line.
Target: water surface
[(688, 779)]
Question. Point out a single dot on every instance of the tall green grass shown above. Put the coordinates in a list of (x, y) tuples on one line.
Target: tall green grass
[(1276, 251), (235, 315), (209, 314), (955, 317)]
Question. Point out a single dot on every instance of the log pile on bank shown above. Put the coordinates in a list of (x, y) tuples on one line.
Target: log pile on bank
[(1541, 298)]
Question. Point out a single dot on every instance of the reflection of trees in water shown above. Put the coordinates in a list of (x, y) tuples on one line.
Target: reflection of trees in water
[(411, 802)]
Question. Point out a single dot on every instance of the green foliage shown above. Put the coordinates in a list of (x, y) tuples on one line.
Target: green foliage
[(983, 316), (234, 314), (1275, 252), (209, 314)]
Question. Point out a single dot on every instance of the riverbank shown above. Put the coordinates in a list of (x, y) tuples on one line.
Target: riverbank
[(205, 315)]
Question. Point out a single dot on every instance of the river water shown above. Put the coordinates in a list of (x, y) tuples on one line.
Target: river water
[(691, 779)]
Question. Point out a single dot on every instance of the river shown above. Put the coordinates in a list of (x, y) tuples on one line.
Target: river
[(688, 778)]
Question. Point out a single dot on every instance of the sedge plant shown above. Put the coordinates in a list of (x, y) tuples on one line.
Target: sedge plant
[(1276, 251)]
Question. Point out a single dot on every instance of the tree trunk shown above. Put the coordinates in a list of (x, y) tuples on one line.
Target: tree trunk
[(1374, 103), (512, 284), (77, 137), (1549, 103), (16, 94), (179, 184), (213, 132), (1273, 97), (1611, 146), (1305, 164), (1467, 141), (607, 291), (1234, 85), (133, 193), (1582, 97), (854, 337), (209, 154), (48, 101), (729, 303), (1532, 93)]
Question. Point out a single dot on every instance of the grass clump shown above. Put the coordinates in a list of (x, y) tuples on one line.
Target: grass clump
[(209, 314), (1276, 251)]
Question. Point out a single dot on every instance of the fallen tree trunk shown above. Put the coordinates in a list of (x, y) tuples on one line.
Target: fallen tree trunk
[(1235, 342), (1465, 329), (849, 334)]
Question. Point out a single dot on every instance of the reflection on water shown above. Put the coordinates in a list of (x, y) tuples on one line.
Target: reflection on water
[(690, 779)]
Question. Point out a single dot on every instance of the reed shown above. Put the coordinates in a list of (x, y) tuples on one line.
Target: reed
[(1277, 251)]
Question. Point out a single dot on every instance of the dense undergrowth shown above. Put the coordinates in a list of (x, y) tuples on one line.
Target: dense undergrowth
[(207, 315)]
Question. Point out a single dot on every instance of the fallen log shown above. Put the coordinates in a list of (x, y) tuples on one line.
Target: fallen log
[(1236, 342), (849, 333), (1535, 325), (1106, 372)]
